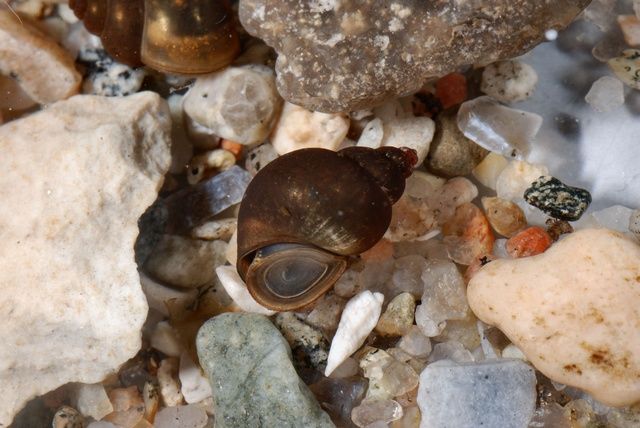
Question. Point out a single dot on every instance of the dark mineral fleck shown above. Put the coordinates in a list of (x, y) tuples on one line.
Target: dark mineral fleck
[(557, 199)]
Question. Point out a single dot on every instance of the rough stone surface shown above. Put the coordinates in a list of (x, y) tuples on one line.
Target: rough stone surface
[(75, 179), (238, 103), (626, 67), (557, 199), (252, 376), (490, 394), (509, 81), (578, 324), (322, 45), (107, 77), (398, 316), (46, 71), (451, 153), (308, 345)]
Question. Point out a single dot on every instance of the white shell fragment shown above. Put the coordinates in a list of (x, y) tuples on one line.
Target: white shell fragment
[(579, 321), (237, 290), (300, 128), (76, 178), (498, 128), (358, 319), (45, 71)]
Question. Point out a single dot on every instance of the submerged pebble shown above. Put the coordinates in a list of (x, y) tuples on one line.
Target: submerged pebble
[(509, 81), (557, 199), (505, 217), (606, 94)]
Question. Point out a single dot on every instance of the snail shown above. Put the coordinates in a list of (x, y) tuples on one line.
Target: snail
[(175, 36), (305, 213)]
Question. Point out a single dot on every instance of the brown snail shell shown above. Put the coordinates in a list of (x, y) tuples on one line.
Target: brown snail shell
[(176, 36), (306, 212)]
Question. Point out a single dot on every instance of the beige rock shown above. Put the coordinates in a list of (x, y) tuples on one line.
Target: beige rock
[(76, 178), (630, 26), (168, 382), (488, 171), (517, 177), (572, 311), (398, 317), (300, 128), (46, 71)]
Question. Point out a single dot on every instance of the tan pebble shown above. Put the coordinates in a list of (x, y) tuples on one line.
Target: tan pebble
[(627, 67), (209, 164), (67, 417), (505, 217), (45, 71), (222, 228), (128, 407), (397, 319), (489, 169), (630, 26), (572, 311), (151, 398), (168, 382), (468, 235)]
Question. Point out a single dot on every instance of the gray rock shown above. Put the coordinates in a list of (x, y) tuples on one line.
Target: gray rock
[(253, 380), (348, 55), (451, 153), (556, 199), (498, 393)]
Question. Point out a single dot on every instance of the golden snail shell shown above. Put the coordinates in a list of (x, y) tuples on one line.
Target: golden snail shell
[(307, 211), (185, 37)]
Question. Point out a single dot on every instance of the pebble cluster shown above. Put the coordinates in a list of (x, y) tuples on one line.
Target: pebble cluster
[(498, 297)]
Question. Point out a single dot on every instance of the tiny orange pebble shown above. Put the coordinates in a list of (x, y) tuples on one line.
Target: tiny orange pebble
[(530, 242), (451, 90), (233, 147)]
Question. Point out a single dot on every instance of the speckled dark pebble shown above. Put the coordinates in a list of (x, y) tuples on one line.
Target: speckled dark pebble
[(557, 199)]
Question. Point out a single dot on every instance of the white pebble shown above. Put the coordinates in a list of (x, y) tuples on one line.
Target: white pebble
[(194, 386), (487, 171), (216, 160), (238, 103), (509, 81), (606, 94), (165, 339), (415, 343), (259, 157), (452, 351), (372, 134), (517, 177), (237, 289), (299, 128), (168, 382), (630, 26), (413, 132), (358, 319), (158, 294), (91, 400)]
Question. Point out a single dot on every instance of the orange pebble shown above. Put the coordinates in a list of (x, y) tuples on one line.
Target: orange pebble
[(451, 90), (380, 252), (468, 235), (530, 242), (233, 147)]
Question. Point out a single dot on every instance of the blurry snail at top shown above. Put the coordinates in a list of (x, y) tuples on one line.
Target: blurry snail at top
[(306, 212), (175, 36)]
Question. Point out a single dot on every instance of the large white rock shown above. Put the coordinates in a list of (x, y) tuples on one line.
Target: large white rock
[(573, 311), (75, 178), (44, 69)]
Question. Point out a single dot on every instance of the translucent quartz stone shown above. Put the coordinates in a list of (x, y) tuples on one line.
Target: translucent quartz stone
[(387, 376), (453, 351), (415, 343), (373, 411), (498, 128), (407, 275), (191, 416), (615, 218), (338, 397), (444, 298), (498, 393), (606, 94)]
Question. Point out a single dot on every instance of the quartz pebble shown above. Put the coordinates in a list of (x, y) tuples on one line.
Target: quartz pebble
[(338, 397), (505, 217), (351, 55), (237, 289), (413, 132), (463, 331), (358, 319), (388, 377), (415, 343), (259, 157), (237, 103), (615, 217), (220, 229), (606, 94), (207, 164), (451, 154), (410, 419), (443, 298), (106, 77), (299, 128), (193, 385), (397, 318), (509, 81), (45, 71), (185, 262), (372, 134), (407, 276), (630, 26), (158, 295), (128, 407), (168, 382), (308, 346), (626, 67), (468, 235), (253, 379), (190, 416), (578, 322), (326, 313), (372, 411), (489, 169), (491, 394), (529, 242), (452, 351), (151, 398), (91, 400), (517, 177), (497, 128), (67, 417), (557, 199), (79, 302)]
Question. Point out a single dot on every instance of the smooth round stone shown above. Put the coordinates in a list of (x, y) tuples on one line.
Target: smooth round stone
[(509, 81), (578, 324)]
